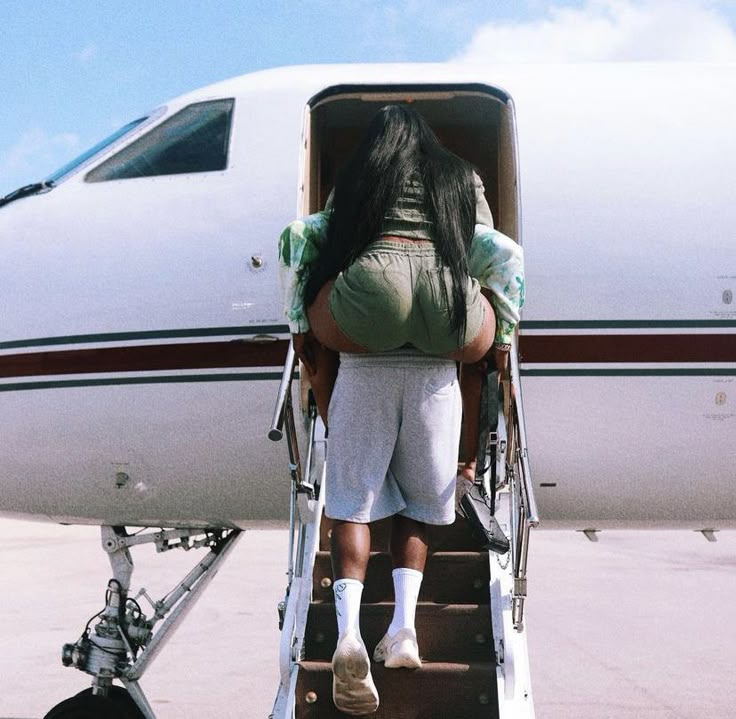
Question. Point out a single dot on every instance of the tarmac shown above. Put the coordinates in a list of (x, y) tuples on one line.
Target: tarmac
[(639, 625)]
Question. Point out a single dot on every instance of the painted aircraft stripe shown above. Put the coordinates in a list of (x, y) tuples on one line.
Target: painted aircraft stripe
[(145, 358), (147, 335), (275, 376), (580, 349), (157, 379), (632, 372), (625, 324), (246, 330), (534, 349), (284, 329)]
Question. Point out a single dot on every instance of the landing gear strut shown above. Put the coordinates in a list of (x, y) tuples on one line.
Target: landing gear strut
[(123, 642)]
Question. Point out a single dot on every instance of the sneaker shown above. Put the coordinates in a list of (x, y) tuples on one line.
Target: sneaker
[(401, 650), (353, 690)]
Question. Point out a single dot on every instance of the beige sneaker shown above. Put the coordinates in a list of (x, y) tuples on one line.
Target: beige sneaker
[(353, 690), (401, 650)]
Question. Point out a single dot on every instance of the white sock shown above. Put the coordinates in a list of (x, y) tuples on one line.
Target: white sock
[(348, 593), (407, 583)]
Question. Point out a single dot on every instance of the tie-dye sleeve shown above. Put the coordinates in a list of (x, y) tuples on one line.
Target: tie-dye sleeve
[(497, 262), (299, 245), (483, 214)]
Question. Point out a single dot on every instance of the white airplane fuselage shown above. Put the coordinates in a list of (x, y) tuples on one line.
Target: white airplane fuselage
[(142, 332)]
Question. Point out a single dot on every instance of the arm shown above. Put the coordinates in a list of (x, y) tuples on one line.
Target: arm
[(497, 262), (483, 214), (299, 245)]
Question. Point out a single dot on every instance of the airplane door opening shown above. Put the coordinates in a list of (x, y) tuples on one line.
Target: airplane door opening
[(475, 121)]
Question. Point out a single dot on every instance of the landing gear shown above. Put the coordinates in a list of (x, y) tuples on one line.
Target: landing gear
[(118, 704), (124, 641)]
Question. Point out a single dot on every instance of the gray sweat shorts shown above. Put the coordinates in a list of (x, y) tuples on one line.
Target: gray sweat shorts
[(394, 433)]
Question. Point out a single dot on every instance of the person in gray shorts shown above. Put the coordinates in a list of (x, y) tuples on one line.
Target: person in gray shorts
[(404, 209), (396, 417)]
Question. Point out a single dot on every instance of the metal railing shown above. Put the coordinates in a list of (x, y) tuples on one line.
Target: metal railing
[(523, 508), (283, 422), (302, 486), (306, 493)]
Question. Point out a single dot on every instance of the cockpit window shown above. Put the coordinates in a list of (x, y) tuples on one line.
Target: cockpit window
[(99, 147), (195, 139)]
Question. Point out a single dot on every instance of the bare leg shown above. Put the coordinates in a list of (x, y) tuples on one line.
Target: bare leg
[(330, 341), (408, 543), (471, 379), (323, 380), (351, 548)]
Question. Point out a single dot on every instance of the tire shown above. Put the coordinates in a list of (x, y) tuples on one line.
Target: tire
[(85, 705)]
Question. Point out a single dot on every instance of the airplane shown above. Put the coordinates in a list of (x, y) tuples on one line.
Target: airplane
[(144, 355)]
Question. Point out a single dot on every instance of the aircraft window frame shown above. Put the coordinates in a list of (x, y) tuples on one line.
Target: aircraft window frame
[(154, 154), (108, 144)]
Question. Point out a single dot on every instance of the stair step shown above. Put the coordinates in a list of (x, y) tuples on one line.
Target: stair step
[(452, 537), (445, 632), (439, 690), (449, 578)]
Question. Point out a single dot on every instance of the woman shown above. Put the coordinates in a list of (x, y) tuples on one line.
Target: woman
[(386, 277), (402, 187)]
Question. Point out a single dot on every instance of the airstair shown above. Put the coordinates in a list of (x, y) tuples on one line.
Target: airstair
[(470, 616)]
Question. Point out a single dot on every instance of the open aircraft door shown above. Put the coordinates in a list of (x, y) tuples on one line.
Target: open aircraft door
[(470, 613)]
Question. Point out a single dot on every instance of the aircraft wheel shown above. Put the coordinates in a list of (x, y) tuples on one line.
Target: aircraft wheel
[(85, 705)]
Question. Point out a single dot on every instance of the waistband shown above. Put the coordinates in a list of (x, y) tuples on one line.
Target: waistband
[(404, 357), (424, 248)]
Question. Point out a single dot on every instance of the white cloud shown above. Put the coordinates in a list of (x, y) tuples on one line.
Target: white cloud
[(613, 30), (36, 153)]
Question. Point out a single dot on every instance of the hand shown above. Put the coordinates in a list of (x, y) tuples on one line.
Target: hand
[(304, 346)]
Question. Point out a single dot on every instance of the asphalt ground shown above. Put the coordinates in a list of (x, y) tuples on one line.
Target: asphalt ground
[(638, 625)]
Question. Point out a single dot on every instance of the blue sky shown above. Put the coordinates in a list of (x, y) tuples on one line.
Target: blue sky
[(73, 71)]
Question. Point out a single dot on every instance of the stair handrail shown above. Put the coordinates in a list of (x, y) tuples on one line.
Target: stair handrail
[(277, 423), (521, 444), (306, 502), (524, 505)]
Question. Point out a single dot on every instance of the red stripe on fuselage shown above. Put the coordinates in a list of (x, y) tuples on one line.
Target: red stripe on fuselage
[(142, 358), (533, 349), (581, 349)]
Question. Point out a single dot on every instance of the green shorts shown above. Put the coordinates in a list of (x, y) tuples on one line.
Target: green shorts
[(391, 297)]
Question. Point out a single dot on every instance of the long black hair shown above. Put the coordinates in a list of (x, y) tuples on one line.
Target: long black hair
[(399, 146)]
